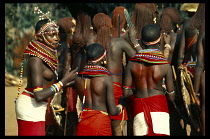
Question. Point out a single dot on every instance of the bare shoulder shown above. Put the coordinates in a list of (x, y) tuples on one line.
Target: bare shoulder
[(34, 61)]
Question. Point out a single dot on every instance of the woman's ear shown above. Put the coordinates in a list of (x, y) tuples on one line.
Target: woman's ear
[(39, 38)]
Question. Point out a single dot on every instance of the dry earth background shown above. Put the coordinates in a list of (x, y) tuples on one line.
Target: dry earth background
[(10, 116), (11, 86)]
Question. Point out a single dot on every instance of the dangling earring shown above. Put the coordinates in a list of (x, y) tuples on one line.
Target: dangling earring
[(154, 19), (36, 37), (123, 30)]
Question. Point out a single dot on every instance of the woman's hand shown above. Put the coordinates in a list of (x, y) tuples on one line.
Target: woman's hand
[(69, 77)]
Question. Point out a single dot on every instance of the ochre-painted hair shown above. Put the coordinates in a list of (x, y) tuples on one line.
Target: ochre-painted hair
[(82, 29), (102, 24), (166, 23), (141, 16), (65, 24), (198, 19), (118, 10), (151, 6)]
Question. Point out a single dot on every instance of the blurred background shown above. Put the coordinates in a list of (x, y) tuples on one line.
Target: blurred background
[(20, 21)]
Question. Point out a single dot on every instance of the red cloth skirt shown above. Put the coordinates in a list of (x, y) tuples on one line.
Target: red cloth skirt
[(28, 128), (71, 100), (49, 117), (94, 123), (117, 93), (151, 108)]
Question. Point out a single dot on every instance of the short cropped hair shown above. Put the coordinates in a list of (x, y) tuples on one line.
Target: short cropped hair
[(39, 24), (94, 51), (150, 32)]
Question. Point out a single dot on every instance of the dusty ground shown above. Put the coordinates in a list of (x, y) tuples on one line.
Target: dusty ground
[(10, 116)]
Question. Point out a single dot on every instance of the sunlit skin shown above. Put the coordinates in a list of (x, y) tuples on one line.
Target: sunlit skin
[(40, 74), (50, 39)]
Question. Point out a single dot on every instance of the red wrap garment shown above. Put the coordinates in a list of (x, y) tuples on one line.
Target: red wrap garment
[(117, 93), (71, 95), (151, 116), (29, 128), (94, 123)]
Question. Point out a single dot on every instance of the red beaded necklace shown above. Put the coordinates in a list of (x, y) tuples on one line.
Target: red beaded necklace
[(38, 49), (48, 55), (94, 71)]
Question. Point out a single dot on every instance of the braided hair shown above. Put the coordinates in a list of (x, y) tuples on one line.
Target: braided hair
[(198, 19), (170, 16), (141, 16), (118, 10), (101, 25)]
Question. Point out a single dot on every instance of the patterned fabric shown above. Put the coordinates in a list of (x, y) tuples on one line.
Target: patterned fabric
[(154, 56), (48, 55), (94, 71)]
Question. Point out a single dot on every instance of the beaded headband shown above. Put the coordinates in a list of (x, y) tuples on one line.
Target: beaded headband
[(153, 42), (98, 59), (47, 25)]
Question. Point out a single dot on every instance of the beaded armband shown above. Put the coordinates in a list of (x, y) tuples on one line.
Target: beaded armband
[(38, 88), (126, 87)]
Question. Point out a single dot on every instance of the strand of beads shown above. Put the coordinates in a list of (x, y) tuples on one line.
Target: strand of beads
[(21, 78)]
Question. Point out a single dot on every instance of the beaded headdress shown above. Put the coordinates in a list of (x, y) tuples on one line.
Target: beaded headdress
[(98, 59), (47, 25), (153, 42)]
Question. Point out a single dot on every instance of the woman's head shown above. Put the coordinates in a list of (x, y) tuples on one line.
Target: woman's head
[(47, 33), (95, 52), (151, 34)]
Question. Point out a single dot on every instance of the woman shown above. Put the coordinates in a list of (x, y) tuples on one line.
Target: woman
[(42, 76)]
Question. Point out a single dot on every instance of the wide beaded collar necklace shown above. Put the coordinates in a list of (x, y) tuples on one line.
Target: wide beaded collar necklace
[(48, 55)]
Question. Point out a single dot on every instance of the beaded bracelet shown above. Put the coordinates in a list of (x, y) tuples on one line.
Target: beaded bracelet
[(167, 46), (171, 92), (56, 87), (60, 83), (136, 45), (126, 87), (119, 108), (53, 89)]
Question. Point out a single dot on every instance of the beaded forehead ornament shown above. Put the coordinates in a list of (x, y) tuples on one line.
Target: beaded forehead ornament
[(47, 25)]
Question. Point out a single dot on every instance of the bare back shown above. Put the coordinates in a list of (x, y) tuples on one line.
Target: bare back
[(148, 78), (99, 93), (115, 57)]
